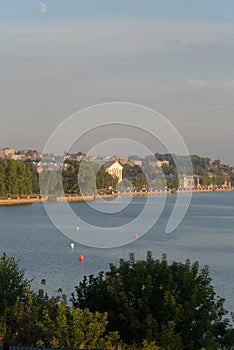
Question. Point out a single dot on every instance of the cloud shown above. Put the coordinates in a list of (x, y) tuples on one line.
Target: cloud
[(212, 84)]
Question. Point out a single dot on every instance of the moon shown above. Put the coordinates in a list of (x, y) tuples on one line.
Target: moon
[(43, 7)]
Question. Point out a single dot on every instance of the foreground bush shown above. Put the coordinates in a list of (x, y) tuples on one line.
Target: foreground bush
[(174, 306), (32, 318), (153, 305)]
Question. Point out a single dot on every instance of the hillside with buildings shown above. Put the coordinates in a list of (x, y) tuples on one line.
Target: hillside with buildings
[(19, 173)]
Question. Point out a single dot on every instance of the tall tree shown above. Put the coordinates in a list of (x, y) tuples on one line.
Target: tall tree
[(105, 180), (169, 304), (2, 179), (33, 319), (87, 178), (70, 177), (13, 286)]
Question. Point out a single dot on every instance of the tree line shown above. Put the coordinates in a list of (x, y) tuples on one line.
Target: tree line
[(18, 178), (139, 304), (21, 178), (81, 177)]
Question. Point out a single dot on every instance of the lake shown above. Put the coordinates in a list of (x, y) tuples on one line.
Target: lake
[(206, 234)]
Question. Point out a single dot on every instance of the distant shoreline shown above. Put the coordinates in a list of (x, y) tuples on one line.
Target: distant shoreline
[(74, 198)]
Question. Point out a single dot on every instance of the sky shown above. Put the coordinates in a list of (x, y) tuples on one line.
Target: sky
[(176, 57)]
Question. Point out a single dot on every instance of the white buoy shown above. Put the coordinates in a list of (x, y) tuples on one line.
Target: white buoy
[(72, 245), (77, 228)]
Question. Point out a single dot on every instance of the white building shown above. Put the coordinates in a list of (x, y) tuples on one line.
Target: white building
[(115, 169)]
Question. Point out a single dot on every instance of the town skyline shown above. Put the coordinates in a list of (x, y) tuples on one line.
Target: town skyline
[(32, 153), (120, 154)]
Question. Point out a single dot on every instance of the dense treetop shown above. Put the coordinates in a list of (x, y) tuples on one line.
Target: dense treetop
[(144, 304), (173, 305)]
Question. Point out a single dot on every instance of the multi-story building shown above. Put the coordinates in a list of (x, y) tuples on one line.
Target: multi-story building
[(28, 153), (79, 156), (7, 152), (189, 182)]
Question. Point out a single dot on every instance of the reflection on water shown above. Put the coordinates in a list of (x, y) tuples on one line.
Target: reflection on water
[(206, 234)]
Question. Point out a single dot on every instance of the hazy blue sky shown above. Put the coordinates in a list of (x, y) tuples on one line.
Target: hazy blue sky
[(174, 56)]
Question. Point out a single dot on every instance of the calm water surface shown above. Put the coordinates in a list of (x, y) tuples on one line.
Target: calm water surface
[(206, 234)]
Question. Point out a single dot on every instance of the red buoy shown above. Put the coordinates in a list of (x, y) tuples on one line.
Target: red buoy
[(136, 235), (81, 258)]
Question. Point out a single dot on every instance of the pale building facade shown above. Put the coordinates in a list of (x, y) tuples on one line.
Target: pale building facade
[(115, 169), (7, 152), (189, 182)]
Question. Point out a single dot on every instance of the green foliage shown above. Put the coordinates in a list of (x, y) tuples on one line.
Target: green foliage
[(12, 282), (33, 174), (104, 180), (86, 177), (51, 182), (231, 176), (33, 319), (70, 177), (150, 345), (199, 162), (13, 287), (17, 178), (173, 305), (88, 329), (21, 178), (171, 175), (135, 175)]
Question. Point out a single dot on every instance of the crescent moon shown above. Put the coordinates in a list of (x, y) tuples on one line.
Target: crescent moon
[(43, 7)]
